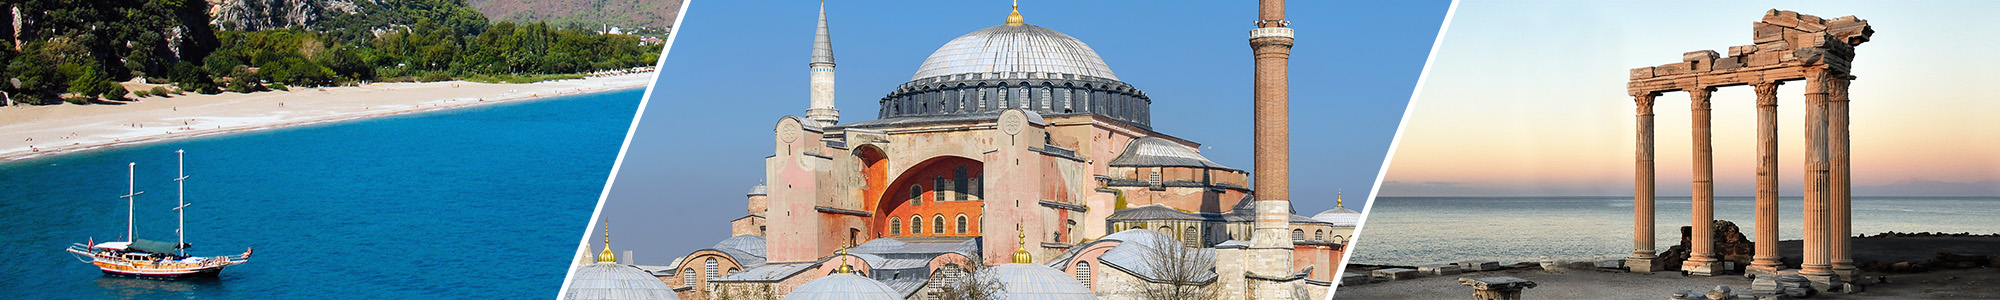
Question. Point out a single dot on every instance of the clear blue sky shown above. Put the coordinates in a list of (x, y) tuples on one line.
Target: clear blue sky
[(738, 66), (1538, 88)]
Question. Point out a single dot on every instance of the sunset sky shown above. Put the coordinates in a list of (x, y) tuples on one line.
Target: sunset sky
[(1528, 99)]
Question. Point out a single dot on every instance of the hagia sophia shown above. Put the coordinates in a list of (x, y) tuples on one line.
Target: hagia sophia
[(1013, 154)]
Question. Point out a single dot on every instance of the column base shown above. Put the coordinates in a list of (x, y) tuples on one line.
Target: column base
[(1824, 282), (1846, 273), (1703, 267), (1761, 269), (1643, 264)]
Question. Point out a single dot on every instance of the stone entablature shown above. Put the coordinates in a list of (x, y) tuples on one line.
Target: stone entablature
[(1786, 45)]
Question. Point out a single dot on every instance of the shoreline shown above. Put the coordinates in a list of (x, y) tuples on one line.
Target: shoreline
[(28, 132)]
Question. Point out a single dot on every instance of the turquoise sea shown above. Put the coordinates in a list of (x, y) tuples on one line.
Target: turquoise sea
[(473, 203), (1427, 230)]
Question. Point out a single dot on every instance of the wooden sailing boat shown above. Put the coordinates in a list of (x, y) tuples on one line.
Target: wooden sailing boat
[(136, 257)]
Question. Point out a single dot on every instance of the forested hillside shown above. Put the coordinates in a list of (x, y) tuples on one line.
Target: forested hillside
[(629, 14), (76, 50)]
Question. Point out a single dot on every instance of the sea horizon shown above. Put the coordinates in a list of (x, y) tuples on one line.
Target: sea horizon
[(1405, 230)]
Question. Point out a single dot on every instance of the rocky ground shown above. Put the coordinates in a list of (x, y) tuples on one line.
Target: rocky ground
[(1968, 273)]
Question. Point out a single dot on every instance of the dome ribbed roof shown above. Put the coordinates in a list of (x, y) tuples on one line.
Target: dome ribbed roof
[(843, 286), (1024, 48), (611, 281), (1340, 217), (1159, 152), (1037, 282)]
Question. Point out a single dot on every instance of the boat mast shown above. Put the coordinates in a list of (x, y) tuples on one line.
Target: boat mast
[(130, 201), (180, 248)]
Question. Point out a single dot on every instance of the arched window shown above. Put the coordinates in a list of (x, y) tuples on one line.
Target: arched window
[(958, 183), (895, 226), (937, 224), (961, 223), (687, 277), (1169, 231), (1298, 235), (938, 195), (916, 196), (1189, 236), (1319, 235), (1083, 273), (1339, 239), (710, 269), (977, 185), (916, 224)]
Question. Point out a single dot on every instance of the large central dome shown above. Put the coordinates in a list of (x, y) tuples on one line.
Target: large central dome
[(1014, 48), (1013, 66)]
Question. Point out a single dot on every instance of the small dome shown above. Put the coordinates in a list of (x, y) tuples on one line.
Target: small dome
[(1007, 48), (1159, 152), (843, 286), (611, 281), (758, 190), (1037, 282), (1340, 217)]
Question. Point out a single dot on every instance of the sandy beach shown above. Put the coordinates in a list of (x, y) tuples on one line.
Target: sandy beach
[(30, 131)]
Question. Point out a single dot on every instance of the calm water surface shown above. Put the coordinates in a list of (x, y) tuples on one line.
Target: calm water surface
[(1426, 230), (473, 203)]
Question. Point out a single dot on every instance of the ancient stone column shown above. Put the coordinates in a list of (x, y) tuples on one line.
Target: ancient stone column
[(1642, 259), (1839, 188), (1767, 260), (1816, 265), (1701, 259)]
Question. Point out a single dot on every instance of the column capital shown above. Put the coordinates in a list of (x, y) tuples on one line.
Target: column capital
[(1836, 88), (1767, 93), (1698, 97), (1645, 102)]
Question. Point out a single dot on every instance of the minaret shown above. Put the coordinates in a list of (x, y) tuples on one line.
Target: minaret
[(822, 111), (1271, 242)]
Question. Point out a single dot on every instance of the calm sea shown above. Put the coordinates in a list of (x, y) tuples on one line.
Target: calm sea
[(473, 203), (1426, 230)]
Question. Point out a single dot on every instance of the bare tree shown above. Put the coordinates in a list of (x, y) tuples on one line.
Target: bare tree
[(742, 291), (970, 284), (1181, 272)]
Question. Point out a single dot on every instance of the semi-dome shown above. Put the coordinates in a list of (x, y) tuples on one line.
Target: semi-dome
[(1022, 281), (612, 281), (1340, 217), (843, 286), (1159, 152), (1014, 48)]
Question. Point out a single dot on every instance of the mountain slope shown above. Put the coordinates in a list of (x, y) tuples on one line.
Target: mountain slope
[(582, 13)]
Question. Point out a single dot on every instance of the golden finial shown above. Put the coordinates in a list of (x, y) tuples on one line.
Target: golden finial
[(605, 256), (1336, 199), (844, 267), (1021, 255), (1014, 19)]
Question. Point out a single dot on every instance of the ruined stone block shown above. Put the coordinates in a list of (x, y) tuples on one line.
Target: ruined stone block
[(1395, 274), (1478, 265), (1728, 63), (1347, 279), (1765, 33), (1439, 269), (1672, 69), (1760, 59), (1774, 46), (1784, 18), (1703, 55), (1742, 50), (1642, 73)]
